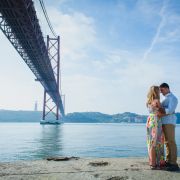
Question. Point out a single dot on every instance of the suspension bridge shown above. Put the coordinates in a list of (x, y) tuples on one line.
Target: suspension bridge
[(19, 23)]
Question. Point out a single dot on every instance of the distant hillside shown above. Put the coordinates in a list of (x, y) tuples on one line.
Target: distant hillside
[(96, 117), (76, 117), (82, 117), (20, 116)]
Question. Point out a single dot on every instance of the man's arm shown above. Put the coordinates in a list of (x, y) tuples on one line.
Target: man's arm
[(171, 106), (169, 110)]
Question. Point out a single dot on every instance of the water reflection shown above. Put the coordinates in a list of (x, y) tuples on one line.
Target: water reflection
[(49, 142)]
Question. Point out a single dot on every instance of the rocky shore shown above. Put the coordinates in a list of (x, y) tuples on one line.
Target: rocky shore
[(84, 169)]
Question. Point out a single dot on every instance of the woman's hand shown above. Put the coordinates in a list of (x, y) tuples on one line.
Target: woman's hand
[(155, 103)]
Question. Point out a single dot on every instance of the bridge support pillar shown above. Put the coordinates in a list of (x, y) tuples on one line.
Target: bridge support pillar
[(53, 48)]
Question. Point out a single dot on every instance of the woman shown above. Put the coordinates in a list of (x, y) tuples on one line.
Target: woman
[(155, 138)]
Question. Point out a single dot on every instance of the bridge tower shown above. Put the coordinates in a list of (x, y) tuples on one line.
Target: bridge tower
[(53, 48)]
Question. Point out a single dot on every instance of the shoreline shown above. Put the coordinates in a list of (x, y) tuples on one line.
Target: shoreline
[(83, 168)]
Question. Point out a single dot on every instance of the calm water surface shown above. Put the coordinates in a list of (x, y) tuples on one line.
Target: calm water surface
[(27, 141)]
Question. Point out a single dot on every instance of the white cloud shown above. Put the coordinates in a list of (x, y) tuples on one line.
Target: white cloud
[(126, 87), (76, 30)]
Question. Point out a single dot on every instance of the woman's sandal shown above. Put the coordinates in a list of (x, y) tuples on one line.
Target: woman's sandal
[(152, 167)]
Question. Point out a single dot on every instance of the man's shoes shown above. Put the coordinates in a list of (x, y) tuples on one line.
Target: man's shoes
[(167, 164), (172, 167)]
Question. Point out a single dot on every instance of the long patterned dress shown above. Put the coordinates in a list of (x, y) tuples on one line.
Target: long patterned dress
[(155, 139)]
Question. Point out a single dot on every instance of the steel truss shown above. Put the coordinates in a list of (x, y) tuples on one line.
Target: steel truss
[(53, 48)]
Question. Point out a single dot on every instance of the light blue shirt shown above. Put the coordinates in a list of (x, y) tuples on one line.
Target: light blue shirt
[(169, 103)]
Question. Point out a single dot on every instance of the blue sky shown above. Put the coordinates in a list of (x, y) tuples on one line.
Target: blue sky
[(112, 51)]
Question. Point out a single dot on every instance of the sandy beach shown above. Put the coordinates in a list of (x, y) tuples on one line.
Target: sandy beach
[(85, 168)]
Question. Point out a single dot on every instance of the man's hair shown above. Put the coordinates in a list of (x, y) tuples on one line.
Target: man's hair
[(164, 85)]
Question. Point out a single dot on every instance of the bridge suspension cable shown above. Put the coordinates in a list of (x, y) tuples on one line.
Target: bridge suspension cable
[(47, 17)]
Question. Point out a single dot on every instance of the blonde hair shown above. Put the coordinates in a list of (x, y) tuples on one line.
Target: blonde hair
[(153, 94)]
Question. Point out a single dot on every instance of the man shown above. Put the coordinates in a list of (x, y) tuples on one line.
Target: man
[(169, 105)]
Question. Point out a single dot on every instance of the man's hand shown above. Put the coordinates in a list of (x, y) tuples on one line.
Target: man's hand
[(161, 112)]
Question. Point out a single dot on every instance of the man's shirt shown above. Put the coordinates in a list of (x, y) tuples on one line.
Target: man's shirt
[(169, 103)]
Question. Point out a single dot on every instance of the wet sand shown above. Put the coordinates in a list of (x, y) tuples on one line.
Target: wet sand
[(85, 169)]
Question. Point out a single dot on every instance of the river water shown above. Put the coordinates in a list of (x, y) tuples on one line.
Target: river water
[(29, 141)]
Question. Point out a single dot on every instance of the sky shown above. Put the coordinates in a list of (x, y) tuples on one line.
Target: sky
[(112, 51)]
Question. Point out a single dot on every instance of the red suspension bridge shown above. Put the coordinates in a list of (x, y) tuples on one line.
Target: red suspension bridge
[(19, 23)]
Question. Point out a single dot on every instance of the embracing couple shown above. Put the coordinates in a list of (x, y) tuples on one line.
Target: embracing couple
[(160, 125)]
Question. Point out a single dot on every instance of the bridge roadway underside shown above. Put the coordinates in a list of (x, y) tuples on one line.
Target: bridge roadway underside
[(19, 23)]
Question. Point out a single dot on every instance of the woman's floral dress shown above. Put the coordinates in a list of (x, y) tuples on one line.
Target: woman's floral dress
[(155, 139)]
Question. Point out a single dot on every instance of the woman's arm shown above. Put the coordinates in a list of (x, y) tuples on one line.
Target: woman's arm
[(156, 104)]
